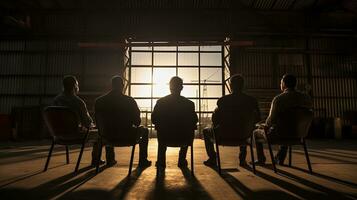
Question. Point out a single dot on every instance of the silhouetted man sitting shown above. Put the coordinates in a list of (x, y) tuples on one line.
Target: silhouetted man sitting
[(227, 106), (289, 98), (69, 98), (125, 110), (170, 113)]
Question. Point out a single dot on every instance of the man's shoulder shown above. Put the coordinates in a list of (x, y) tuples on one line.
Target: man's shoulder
[(79, 100), (112, 96)]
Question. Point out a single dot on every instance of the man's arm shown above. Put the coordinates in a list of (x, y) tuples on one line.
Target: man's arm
[(136, 114), (194, 115), (272, 113), (86, 119), (216, 116), (155, 113)]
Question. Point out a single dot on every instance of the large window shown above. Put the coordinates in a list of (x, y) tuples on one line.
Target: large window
[(150, 68)]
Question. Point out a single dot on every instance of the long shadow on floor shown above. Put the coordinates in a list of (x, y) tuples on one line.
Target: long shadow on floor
[(25, 176), (118, 192), (331, 193), (320, 192), (246, 193), (51, 188), (344, 182), (169, 190)]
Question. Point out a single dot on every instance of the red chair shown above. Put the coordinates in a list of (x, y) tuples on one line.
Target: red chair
[(63, 125)]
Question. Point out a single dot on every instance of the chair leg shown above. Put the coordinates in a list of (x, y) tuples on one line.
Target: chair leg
[(80, 155), (67, 154), (100, 143), (271, 156), (131, 159), (192, 170), (290, 155), (252, 154), (218, 159), (49, 155), (307, 155)]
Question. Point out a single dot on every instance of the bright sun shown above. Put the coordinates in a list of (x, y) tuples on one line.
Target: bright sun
[(161, 78)]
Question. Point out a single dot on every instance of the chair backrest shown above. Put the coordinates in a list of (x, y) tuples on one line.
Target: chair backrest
[(113, 132), (293, 123), (62, 122), (175, 130), (235, 127)]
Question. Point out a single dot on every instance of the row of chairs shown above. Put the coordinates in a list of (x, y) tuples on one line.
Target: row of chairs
[(291, 129)]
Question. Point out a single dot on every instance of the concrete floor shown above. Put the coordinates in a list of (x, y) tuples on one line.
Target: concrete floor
[(21, 176)]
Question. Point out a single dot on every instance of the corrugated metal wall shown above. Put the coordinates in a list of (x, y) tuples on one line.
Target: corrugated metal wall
[(31, 71), (324, 67), (334, 78)]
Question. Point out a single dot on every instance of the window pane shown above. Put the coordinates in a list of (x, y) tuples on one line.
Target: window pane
[(211, 75), (206, 119), (211, 91), (208, 105), (144, 104), (145, 119), (141, 74), (141, 48), (188, 59), (140, 58), (162, 59), (188, 48), (141, 90), (211, 59), (161, 90), (163, 75), (189, 75), (195, 101), (165, 48), (190, 91), (211, 48)]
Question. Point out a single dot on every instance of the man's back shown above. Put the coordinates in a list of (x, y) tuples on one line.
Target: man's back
[(121, 108), (76, 104), (174, 111), (229, 106), (288, 99)]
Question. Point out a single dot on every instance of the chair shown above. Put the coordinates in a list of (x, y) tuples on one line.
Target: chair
[(177, 137), (112, 133), (63, 125), (291, 129), (236, 129)]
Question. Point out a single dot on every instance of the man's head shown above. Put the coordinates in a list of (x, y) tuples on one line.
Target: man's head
[(176, 85), (117, 83), (70, 84), (236, 83), (288, 82)]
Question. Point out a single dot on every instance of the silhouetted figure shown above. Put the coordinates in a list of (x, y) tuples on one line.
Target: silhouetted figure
[(174, 114), (69, 98), (125, 111), (224, 115), (289, 98)]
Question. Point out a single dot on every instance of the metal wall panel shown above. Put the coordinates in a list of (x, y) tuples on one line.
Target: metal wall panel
[(323, 67), (31, 71)]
